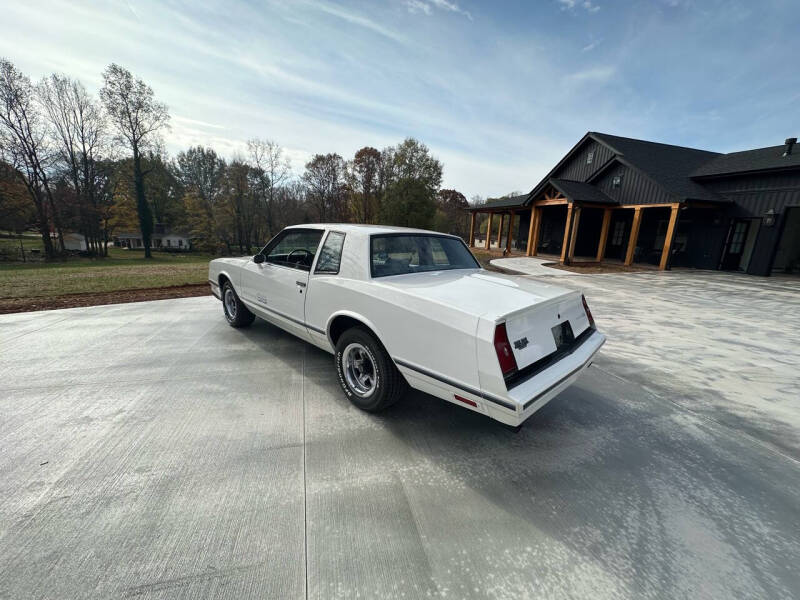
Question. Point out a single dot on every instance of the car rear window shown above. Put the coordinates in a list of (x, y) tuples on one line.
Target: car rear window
[(400, 254)]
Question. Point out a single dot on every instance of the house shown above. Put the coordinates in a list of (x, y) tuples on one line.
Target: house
[(617, 198), (162, 238), (75, 242)]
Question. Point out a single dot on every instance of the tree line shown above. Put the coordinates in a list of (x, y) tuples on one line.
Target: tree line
[(70, 161)]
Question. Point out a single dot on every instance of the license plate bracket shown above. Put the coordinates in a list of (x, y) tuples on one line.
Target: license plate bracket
[(563, 336)]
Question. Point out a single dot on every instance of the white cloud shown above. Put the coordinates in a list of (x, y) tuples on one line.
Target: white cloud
[(587, 5), (427, 6), (415, 6), (592, 45), (593, 75)]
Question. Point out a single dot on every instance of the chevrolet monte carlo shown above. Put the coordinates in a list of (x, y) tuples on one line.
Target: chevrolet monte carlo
[(404, 307)]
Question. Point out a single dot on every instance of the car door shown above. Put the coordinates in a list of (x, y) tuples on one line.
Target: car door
[(276, 288)]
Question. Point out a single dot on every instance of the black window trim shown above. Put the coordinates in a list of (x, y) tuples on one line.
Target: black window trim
[(373, 236), (319, 252), (276, 239)]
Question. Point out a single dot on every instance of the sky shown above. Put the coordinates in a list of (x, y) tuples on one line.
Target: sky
[(499, 91)]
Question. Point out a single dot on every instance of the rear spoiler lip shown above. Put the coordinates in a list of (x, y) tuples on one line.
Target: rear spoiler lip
[(543, 304)]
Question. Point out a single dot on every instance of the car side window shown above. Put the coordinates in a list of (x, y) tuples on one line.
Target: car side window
[(296, 248), (330, 256)]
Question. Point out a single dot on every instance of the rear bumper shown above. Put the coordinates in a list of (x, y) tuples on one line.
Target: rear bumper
[(534, 393), (215, 289)]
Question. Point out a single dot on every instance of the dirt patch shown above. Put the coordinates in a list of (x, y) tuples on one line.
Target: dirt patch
[(15, 305)]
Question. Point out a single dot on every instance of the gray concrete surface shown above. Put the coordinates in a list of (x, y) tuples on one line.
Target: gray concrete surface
[(150, 451)]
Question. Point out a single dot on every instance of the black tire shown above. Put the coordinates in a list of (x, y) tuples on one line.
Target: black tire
[(388, 383), (236, 313)]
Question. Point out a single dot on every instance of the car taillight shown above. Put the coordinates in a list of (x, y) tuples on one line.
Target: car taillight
[(508, 364), (588, 312)]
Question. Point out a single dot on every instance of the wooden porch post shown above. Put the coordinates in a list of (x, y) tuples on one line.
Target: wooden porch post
[(576, 219), (601, 247), (510, 232), (533, 232), (565, 242), (634, 237), (500, 229), (472, 230), (489, 231), (665, 253)]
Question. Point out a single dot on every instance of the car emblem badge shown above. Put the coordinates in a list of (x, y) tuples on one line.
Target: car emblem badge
[(521, 343)]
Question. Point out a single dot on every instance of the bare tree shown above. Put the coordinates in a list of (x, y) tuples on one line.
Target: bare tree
[(364, 180), (24, 146), (138, 118), (272, 169), (78, 132), (324, 179)]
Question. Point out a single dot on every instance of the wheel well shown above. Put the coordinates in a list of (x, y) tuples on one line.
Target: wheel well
[(222, 280), (341, 324)]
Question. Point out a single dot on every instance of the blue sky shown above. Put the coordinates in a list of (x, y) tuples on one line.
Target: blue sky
[(498, 90)]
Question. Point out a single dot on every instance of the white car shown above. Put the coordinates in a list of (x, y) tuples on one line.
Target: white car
[(400, 307)]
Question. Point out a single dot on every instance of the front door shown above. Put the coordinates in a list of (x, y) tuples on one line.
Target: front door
[(735, 247), (276, 288)]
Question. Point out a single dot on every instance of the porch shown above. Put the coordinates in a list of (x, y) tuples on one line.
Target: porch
[(576, 222)]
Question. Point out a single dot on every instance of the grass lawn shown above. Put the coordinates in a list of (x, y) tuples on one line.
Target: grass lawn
[(121, 270)]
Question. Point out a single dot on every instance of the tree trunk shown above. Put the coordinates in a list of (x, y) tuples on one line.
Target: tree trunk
[(142, 207)]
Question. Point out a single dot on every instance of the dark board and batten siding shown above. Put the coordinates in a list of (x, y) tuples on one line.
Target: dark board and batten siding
[(576, 168), (635, 188)]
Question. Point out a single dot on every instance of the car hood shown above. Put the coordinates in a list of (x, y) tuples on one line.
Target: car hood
[(476, 291)]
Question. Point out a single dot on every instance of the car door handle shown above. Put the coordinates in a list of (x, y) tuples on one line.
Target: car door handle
[(301, 283)]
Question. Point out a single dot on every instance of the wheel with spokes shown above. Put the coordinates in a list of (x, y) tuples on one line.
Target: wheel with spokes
[(366, 372), (236, 313)]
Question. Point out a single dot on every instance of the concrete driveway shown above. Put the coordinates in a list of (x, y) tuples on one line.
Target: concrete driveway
[(150, 451)]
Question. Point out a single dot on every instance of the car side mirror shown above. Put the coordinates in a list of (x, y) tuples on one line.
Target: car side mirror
[(259, 258)]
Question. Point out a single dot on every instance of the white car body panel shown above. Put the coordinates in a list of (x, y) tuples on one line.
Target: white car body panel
[(437, 326)]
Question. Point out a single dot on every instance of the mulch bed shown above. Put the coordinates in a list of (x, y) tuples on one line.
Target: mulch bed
[(16, 305)]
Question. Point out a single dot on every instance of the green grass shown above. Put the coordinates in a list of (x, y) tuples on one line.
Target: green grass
[(121, 270)]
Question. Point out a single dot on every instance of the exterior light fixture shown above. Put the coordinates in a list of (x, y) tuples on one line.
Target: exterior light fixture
[(769, 218)]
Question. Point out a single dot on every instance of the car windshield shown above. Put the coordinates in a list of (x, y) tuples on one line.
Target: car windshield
[(400, 254)]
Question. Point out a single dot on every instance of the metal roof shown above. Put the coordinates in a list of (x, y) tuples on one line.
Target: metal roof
[(504, 203)]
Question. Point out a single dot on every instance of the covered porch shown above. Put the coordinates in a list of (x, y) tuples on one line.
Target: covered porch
[(573, 221)]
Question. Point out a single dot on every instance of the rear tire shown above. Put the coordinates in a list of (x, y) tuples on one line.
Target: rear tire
[(236, 313), (367, 374)]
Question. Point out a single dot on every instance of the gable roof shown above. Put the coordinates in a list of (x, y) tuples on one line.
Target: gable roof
[(669, 166), (580, 191), (760, 159)]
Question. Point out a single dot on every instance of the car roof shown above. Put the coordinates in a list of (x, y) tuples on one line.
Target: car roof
[(365, 229)]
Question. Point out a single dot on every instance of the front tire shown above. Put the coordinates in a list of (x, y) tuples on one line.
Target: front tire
[(367, 374), (236, 313)]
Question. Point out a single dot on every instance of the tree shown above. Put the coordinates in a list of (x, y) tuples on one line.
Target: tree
[(413, 160), (271, 171), (202, 175), (364, 178), (325, 188), (138, 118), (25, 147), (408, 202), (15, 206), (78, 133), (452, 215)]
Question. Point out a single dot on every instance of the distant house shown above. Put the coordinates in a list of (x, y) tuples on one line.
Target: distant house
[(631, 200), (163, 238), (75, 242)]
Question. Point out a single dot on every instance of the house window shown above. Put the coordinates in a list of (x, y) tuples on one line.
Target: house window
[(180, 243), (589, 158), (169, 242), (619, 233), (616, 181)]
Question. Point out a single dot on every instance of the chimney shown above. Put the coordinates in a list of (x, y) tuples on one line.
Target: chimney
[(790, 142)]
